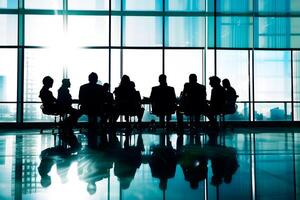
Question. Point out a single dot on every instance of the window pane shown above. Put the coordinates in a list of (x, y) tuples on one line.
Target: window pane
[(143, 5), (8, 29), (179, 64), (272, 112), (234, 32), (44, 4), (139, 64), (46, 30), (84, 61), (233, 65), (143, 31), (241, 114), (274, 6), (9, 4), (296, 79), (185, 31), (272, 75), (8, 72), (274, 32), (88, 30), (232, 6), (116, 4), (295, 32), (8, 111), (115, 68), (88, 4), (33, 113), (185, 5), (116, 31)]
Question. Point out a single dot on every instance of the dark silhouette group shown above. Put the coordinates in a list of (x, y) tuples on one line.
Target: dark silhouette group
[(100, 105)]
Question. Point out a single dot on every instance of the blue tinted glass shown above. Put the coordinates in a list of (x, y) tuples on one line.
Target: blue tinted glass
[(233, 6), (273, 6), (143, 5), (88, 4), (44, 4), (234, 32), (9, 4), (272, 111), (143, 31), (185, 32), (185, 5), (272, 75)]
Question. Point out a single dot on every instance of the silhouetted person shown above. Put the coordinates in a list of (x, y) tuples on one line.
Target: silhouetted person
[(93, 167), (91, 97), (193, 100), (128, 160), (108, 107), (136, 103), (52, 107), (163, 161), (230, 97), (217, 99), (163, 100)]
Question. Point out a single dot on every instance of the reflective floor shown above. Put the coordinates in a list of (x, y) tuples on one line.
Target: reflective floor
[(243, 164)]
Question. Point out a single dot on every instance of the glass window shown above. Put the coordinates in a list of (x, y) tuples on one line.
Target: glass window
[(179, 64), (8, 112), (234, 32), (88, 30), (143, 67), (233, 65), (295, 32), (296, 82), (143, 31), (185, 5), (116, 4), (8, 29), (88, 4), (273, 32), (185, 31), (116, 31), (44, 30), (274, 6), (272, 112), (83, 62), (231, 6), (115, 68), (155, 5), (272, 75), (9, 4), (8, 75), (44, 4)]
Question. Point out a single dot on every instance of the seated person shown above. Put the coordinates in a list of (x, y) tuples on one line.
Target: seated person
[(230, 97), (136, 103), (163, 100), (108, 103), (51, 107), (125, 96), (91, 97), (193, 99), (49, 102)]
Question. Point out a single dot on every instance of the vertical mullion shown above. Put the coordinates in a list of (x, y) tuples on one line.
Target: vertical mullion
[(109, 44), (215, 37), (163, 37), (292, 84), (20, 72), (121, 40)]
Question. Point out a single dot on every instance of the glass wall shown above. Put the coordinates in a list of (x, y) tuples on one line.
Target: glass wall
[(254, 43)]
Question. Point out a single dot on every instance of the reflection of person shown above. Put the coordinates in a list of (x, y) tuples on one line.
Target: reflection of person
[(91, 97), (163, 100), (128, 160), (163, 162), (93, 167), (55, 155), (193, 161)]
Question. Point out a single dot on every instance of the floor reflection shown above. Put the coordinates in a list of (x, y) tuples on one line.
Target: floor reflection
[(152, 165)]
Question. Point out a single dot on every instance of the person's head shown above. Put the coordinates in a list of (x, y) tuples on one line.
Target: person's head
[(162, 79), (194, 184), (125, 80), (132, 84), (226, 83), (214, 81), (193, 78), (45, 181), (106, 87), (48, 81), (93, 78), (66, 82), (91, 188)]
